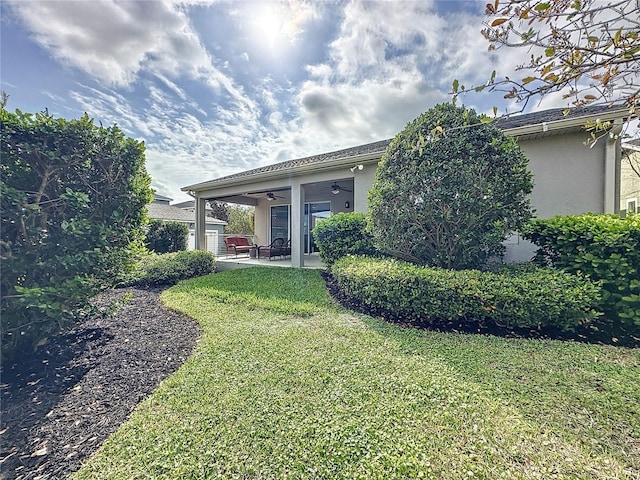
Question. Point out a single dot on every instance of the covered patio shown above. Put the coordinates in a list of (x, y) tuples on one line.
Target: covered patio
[(291, 197), (230, 262)]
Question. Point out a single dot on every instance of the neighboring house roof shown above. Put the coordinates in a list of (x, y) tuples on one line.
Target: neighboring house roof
[(530, 125), (159, 211), (161, 198), (189, 204), (633, 144)]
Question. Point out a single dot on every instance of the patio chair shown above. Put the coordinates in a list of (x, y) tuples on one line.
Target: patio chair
[(277, 248)]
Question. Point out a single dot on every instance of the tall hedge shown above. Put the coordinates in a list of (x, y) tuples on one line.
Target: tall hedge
[(166, 237), (73, 199), (606, 248), (448, 190)]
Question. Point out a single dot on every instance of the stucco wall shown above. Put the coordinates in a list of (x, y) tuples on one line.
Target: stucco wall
[(363, 181), (568, 176), (568, 179), (630, 181)]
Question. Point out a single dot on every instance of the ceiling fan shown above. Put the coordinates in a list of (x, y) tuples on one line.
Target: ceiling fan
[(336, 189), (271, 196)]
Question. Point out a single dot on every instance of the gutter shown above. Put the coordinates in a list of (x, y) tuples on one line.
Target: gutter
[(565, 123)]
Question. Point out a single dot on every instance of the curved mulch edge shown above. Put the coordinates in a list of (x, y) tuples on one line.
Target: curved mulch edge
[(62, 403)]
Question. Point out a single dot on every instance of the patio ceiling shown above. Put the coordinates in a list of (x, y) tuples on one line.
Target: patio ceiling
[(245, 196)]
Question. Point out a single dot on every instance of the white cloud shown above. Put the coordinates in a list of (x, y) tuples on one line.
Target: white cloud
[(114, 42), (152, 70)]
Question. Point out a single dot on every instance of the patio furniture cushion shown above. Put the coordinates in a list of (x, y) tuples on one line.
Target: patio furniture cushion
[(238, 245)]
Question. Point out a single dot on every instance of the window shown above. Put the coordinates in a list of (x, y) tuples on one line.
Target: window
[(632, 205)]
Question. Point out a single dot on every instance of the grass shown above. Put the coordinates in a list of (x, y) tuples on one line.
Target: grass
[(285, 384)]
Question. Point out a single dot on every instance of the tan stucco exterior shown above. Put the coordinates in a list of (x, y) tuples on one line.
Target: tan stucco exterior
[(629, 179), (569, 178)]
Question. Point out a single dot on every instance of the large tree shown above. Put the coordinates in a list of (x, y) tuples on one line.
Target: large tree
[(448, 190), (73, 199), (240, 219), (587, 49)]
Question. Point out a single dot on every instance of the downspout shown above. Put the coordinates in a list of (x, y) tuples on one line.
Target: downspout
[(612, 169)]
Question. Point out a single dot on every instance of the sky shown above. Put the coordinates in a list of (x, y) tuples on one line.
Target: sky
[(217, 87)]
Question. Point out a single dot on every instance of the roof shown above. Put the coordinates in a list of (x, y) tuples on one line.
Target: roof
[(162, 197), (375, 147), (189, 204), (159, 211), (546, 122), (633, 144), (553, 115)]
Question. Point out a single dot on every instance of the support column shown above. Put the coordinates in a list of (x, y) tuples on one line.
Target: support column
[(200, 223), (297, 224)]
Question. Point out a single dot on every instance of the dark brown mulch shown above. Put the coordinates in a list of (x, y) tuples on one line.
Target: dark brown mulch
[(594, 333), (72, 393)]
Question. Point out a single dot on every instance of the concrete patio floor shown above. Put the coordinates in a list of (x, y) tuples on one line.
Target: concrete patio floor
[(230, 262)]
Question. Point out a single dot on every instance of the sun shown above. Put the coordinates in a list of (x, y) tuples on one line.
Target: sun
[(270, 24)]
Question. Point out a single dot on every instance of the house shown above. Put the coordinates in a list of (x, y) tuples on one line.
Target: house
[(291, 196), (161, 209), (630, 177)]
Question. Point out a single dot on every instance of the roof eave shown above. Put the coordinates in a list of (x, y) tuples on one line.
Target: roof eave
[(295, 171)]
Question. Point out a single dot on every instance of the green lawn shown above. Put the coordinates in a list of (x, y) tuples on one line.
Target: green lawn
[(285, 384)]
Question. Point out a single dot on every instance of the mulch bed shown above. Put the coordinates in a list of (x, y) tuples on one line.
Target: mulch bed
[(72, 393)]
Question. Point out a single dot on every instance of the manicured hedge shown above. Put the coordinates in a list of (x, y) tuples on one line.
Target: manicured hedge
[(606, 248), (343, 234), (170, 268), (166, 237), (528, 296)]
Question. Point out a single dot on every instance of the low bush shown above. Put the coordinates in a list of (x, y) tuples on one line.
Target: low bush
[(166, 237), (524, 297), (606, 248), (170, 268), (343, 234)]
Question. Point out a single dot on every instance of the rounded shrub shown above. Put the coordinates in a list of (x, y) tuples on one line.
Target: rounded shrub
[(343, 234), (524, 297), (448, 190), (166, 237)]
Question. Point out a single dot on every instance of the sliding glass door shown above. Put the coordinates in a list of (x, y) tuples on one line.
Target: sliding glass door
[(313, 213)]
